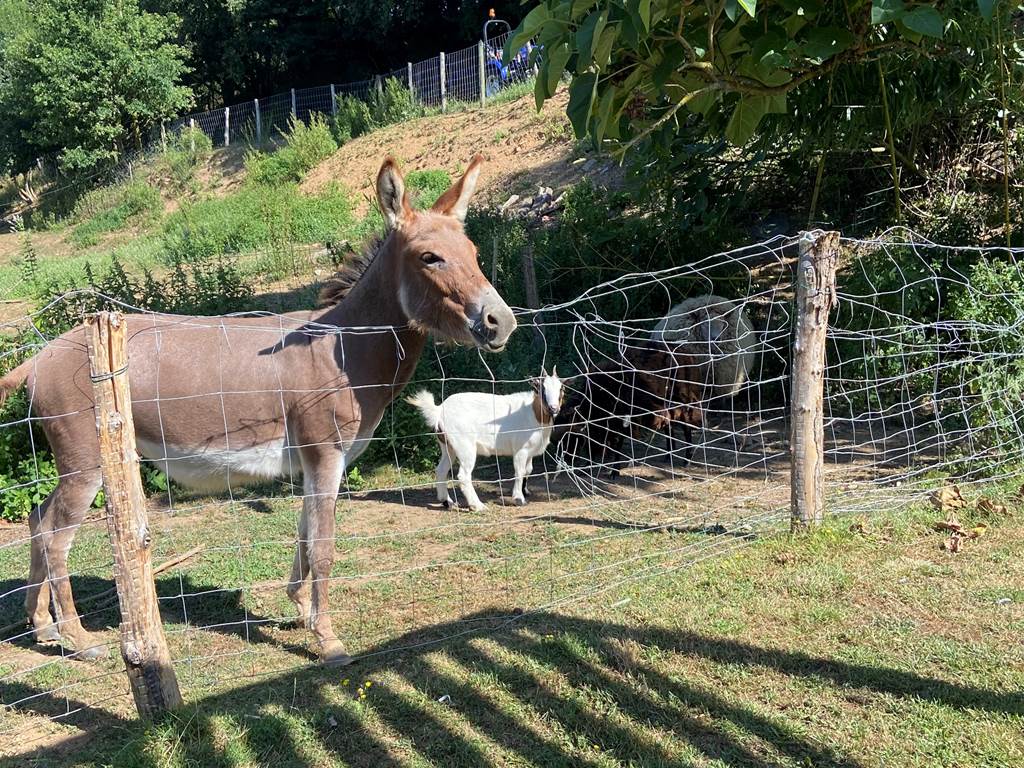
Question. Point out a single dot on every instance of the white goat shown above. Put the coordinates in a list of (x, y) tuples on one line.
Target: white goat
[(472, 424), (720, 337)]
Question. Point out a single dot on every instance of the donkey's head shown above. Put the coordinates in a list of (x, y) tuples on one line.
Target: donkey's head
[(440, 285)]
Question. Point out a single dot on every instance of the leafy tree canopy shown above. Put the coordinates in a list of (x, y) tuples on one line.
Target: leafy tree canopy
[(644, 70), (84, 79)]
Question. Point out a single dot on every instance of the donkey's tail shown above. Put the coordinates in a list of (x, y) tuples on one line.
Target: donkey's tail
[(424, 403), (14, 379)]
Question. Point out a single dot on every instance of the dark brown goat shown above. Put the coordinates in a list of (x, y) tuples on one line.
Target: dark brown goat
[(652, 388)]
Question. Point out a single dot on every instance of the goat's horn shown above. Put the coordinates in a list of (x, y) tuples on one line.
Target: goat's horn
[(554, 371)]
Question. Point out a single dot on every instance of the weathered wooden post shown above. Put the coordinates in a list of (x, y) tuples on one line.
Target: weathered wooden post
[(143, 645), (227, 126), (815, 297), (443, 77), (294, 111), (482, 73), (334, 102), (408, 79), (192, 135), (259, 122), (163, 135), (530, 289)]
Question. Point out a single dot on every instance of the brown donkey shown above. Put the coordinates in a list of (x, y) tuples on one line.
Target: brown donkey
[(222, 401)]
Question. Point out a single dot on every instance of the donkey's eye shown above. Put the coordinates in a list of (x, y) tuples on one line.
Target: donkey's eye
[(431, 259)]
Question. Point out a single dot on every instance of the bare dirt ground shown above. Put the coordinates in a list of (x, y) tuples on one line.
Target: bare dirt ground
[(524, 149)]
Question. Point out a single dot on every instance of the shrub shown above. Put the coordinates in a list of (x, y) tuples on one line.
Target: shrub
[(352, 119), (254, 217), (991, 307), (305, 146), (187, 149), (392, 103), (110, 208), (426, 186)]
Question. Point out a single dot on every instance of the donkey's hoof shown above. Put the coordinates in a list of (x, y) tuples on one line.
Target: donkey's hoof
[(333, 654), (520, 502), (47, 634), (93, 653)]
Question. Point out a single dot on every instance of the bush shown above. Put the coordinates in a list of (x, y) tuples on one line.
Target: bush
[(305, 146), (110, 208), (254, 217), (991, 307), (426, 186), (393, 103), (186, 150)]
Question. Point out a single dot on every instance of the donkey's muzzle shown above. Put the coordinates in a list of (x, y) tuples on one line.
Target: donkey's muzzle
[(494, 323)]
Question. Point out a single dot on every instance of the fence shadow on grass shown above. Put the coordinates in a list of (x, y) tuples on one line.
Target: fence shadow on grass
[(532, 670)]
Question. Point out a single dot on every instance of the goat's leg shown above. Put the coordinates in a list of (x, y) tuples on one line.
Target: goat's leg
[(69, 504), (466, 465), (519, 461), (444, 468), (323, 470), (298, 586), (526, 477)]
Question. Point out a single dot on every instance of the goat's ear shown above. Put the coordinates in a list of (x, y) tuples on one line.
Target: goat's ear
[(391, 196), (536, 384), (455, 202)]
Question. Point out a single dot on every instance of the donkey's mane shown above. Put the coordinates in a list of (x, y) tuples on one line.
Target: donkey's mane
[(338, 286)]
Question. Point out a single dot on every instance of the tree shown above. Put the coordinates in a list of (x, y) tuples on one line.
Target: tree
[(85, 80), (639, 67)]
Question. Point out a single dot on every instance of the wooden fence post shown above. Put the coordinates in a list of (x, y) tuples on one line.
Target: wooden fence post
[(530, 289), (334, 102), (192, 134), (143, 645), (444, 85), (408, 77), (163, 135), (483, 76), (295, 112), (227, 126), (259, 122), (815, 297)]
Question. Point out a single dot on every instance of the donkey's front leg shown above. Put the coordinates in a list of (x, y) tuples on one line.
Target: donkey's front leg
[(323, 471)]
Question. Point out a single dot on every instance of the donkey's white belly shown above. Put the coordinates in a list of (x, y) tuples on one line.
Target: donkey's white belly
[(217, 470)]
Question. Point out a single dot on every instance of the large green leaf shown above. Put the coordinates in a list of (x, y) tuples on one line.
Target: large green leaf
[(745, 119), (924, 20), (525, 31), (986, 8), (750, 6), (603, 49), (825, 42), (556, 65), (604, 113), (589, 33), (581, 97), (883, 11), (581, 6), (644, 11)]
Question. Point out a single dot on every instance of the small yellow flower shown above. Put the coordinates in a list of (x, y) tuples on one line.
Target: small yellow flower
[(345, 681), (368, 683)]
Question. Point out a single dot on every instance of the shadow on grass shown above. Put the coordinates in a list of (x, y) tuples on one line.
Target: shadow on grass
[(590, 683)]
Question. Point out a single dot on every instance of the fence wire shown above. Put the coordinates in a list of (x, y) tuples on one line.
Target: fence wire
[(915, 355)]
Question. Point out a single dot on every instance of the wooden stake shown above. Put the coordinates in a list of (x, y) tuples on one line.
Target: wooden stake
[(815, 297), (143, 645)]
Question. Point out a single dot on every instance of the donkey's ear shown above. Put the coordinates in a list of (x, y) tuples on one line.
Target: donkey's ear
[(394, 203), (455, 202)]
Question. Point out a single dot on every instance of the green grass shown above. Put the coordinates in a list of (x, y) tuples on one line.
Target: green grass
[(848, 647)]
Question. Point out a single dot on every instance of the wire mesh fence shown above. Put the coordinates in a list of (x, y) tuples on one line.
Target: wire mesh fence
[(669, 445), (465, 71)]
